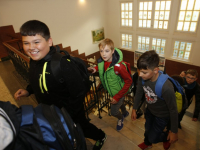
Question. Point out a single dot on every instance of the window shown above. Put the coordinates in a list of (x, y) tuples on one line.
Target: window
[(126, 14), (148, 43), (182, 50), (143, 43), (158, 45), (127, 41), (188, 15), (162, 11), (160, 16), (145, 13)]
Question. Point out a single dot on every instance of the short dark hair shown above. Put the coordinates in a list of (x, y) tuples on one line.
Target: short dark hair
[(179, 79), (148, 60), (33, 27), (193, 72)]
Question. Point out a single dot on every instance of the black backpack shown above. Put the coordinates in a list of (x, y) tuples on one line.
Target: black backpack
[(78, 63), (43, 128)]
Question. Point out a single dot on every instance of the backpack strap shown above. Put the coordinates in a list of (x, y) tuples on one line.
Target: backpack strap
[(162, 78), (27, 115), (55, 66)]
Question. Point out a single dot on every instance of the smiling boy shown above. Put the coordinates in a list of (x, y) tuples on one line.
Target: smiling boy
[(114, 77), (70, 94), (158, 111)]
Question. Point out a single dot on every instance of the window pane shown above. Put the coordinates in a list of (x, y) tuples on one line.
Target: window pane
[(161, 15), (139, 46), (154, 41), (158, 42), (141, 5), (147, 47), (165, 24), (175, 53), (180, 54), (190, 5), (149, 14), (140, 23), (167, 15), (182, 46), (162, 50), (193, 26), (123, 22), (147, 40), (123, 36), (144, 23), (182, 15), (123, 43), (155, 24), (160, 24), (195, 16), (188, 47), (148, 23), (130, 37), (145, 15), (163, 43), (139, 39), (168, 3), (130, 6), (176, 45), (186, 56), (140, 14), (180, 26), (143, 46), (130, 14), (188, 16), (197, 5), (156, 14), (145, 5), (122, 6), (143, 39), (162, 5), (183, 4), (157, 5), (150, 6), (186, 26)]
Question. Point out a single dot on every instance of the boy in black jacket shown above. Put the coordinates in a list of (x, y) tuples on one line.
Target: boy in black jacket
[(158, 111), (37, 44), (192, 88)]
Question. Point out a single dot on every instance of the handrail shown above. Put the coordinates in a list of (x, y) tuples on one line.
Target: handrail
[(24, 57)]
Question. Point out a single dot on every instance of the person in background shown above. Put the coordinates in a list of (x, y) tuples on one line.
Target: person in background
[(182, 74), (192, 88)]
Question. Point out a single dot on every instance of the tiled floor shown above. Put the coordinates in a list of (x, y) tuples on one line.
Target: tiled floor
[(127, 139)]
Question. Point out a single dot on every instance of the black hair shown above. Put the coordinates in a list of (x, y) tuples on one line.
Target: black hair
[(179, 79), (148, 60), (193, 72), (33, 27)]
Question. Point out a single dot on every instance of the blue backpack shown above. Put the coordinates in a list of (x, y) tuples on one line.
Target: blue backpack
[(43, 128), (179, 92)]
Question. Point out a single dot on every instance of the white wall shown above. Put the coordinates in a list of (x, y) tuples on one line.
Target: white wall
[(114, 30), (70, 21)]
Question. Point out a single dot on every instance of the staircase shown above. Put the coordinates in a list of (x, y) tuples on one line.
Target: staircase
[(132, 133)]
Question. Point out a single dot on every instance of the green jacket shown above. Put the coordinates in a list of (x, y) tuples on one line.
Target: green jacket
[(111, 82)]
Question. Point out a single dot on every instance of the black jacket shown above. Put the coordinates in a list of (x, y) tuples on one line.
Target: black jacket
[(68, 94), (190, 92)]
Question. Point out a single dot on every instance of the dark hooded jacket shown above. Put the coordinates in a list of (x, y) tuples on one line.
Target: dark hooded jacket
[(69, 94)]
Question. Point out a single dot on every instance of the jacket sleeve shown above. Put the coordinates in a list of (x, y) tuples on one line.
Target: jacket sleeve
[(29, 89), (197, 102), (73, 79), (121, 70), (168, 95), (139, 94)]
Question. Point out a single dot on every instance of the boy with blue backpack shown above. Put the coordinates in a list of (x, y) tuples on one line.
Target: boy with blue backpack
[(160, 109), (69, 94)]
